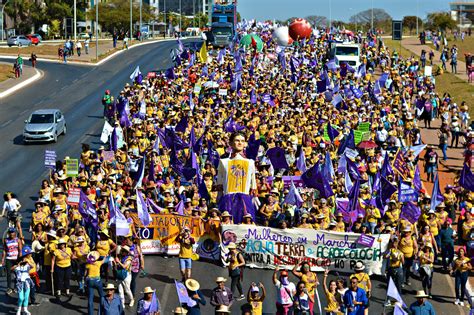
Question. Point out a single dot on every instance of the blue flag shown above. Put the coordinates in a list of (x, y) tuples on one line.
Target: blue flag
[(142, 209), (182, 292), (436, 195), (466, 180), (87, 210), (277, 158)]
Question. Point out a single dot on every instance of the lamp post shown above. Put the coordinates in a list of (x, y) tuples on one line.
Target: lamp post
[(141, 35), (330, 15), (180, 16), (96, 31), (131, 26), (164, 14), (75, 21), (3, 7)]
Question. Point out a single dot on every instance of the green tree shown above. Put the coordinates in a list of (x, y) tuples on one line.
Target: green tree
[(115, 15), (441, 21), (410, 22), (54, 28)]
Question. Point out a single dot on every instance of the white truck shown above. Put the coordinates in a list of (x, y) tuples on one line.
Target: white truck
[(347, 52)]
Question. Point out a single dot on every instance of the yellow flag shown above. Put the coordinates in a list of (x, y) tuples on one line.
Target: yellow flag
[(203, 53)]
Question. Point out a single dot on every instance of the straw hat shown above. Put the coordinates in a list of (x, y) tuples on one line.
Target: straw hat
[(36, 246), (125, 248), (109, 286), (180, 310), (225, 214), (192, 285), (62, 241), (80, 239), (148, 290), (407, 229), (220, 279), (421, 294), (93, 256), (359, 266), (52, 233), (223, 309), (231, 245)]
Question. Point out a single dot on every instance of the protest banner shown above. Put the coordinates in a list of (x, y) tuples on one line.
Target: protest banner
[(197, 89), (73, 196), (428, 71), (72, 167), (223, 92), (268, 247), (400, 165), (406, 192), (50, 159), (106, 132)]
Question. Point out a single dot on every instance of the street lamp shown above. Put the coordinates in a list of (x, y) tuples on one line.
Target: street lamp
[(141, 35), (180, 16), (164, 14), (330, 15), (3, 7), (131, 27), (75, 21), (96, 31), (372, 18)]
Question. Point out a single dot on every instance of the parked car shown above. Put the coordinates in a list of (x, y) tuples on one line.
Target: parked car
[(34, 39), (83, 35), (44, 125), (20, 40)]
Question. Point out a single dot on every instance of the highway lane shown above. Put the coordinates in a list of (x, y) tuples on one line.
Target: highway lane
[(77, 90)]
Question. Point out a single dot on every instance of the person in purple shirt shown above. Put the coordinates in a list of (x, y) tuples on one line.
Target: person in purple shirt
[(355, 299)]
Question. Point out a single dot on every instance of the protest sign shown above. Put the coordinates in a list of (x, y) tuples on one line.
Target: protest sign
[(50, 159), (73, 196), (72, 167), (106, 132), (108, 156), (400, 165), (366, 240), (357, 136), (366, 136), (364, 126), (197, 89), (268, 247), (350, 153), (223, 92), (406, 192), (428, 71)]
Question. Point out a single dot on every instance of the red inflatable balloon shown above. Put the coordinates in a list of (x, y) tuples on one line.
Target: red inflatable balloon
[(299, 29)]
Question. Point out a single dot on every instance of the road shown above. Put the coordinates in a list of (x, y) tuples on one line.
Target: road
[(77, 90)]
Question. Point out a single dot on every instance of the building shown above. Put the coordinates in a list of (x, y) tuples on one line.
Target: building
[(463, 13), (188, 7)]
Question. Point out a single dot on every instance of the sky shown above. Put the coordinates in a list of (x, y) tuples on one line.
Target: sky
[(341, 9)]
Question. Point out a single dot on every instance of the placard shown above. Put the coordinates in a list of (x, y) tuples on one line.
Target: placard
[(364, 126), (366, 240), (50, 159), (108, 156), (73, 196), (197, 89), (223, 92), (72, 167), (428, 71)]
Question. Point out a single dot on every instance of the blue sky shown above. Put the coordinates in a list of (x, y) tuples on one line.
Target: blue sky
[(341, 9)]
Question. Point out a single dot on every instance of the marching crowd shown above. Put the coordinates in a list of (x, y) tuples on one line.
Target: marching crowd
[(290, 111)]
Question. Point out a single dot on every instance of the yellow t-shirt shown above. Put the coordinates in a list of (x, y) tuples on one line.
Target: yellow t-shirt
[(49, 251), (185, 250), (458, 264), (257, 306), (103, 247), (363, 280), (94, 269), (433, 226), (395, 258), (30, 260), (309, 282), (406, 246), (333, 305), (466, 229), (81, 253), (424, 260), (63, 257)]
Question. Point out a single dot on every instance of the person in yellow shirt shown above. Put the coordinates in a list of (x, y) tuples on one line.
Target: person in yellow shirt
[(340, 225), (372, 216), (61, 267), (362, 277), (462, 266), (49, 248), (92, 275), (255, 299), (186, 242), (467, 226), (106, 247), (80, 251), (333, 305), (426, 257), (409, 247), (396, 260), (309, 279)]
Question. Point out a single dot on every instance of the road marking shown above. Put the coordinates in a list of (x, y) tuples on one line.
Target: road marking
[(6, 123), (23, 112), (165, 295)]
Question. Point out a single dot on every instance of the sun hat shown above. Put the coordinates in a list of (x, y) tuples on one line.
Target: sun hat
[(125, 248), (321, 216), (248, 215), (231, 245), (223, 309), (407, 229), (109, 286), (359, 266), (220, 279), (52, 233), (93, 256), (80, 239), (62, 241), (421, 294), (225, 214), (180, 310), (192, 285), (26, 251), (148, 290)]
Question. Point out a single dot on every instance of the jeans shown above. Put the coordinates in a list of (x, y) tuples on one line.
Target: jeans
[(430, 171), (235, 282), (426, 280), (124, 288), (447, 254), (460, 280), (93, 283), (444, 148), (62, 277), (133, 283), (397, 276), (8, 266), (455, 139), (372, 226), (407, 268), (23, 296)]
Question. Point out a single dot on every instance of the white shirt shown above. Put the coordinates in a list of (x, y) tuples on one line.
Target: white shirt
[(236, 177), (10, 205), (285, 292)]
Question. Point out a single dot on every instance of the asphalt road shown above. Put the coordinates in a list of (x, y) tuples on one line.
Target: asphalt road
[(77, 91)]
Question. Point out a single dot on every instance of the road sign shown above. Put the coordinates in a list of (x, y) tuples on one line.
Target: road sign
[(397, 30)]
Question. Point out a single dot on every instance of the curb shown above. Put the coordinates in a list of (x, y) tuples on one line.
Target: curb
[(21, 85), (90, 64)]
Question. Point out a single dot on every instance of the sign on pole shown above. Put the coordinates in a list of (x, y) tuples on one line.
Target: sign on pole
[(397, 30), (50, 159), (72, 167), (73, 196)]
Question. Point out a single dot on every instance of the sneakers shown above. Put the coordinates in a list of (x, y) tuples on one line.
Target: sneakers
[(25, 310), (457, 302), (18, 311), (408, 283), (9, 291), (132, 302), (240, 298), (461, 303)]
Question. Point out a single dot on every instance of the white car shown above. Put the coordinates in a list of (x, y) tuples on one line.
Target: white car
[(44, 125)]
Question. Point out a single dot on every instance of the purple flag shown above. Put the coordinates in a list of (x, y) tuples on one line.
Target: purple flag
[(238, 205), (301, 162), (410, 212), (387, 190), (182, 292), (466, 180), (154, 305), (180, 207), (252, 147), (393, 292), (347, 142), (293, 197), (153, 206), (232, 126), (328, 169), (417, 179), (203, 192), (87, 210), (332, 132), (190, 169), (182, 124), (142, 209), (253, 97), (354, 196), (169, 73), (212, 155), (277, 158), (122, 227), (386, 167), (436, 195), (151, 171)]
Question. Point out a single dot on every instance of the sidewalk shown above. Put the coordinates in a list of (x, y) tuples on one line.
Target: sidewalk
[(9, 86), (413, 45)]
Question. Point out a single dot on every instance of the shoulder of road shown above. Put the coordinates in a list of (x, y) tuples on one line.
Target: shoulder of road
[(12, 85)]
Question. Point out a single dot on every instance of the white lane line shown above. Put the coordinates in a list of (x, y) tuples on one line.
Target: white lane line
[(165, 295), (6, 123)]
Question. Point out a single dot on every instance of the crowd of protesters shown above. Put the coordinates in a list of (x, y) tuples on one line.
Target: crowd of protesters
[(288, 110)]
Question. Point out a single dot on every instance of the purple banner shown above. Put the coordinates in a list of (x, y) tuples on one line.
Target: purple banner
[(406, 192), (366, 240)]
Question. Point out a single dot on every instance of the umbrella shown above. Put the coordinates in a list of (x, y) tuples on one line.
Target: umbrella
[(247, 41), (367, 145)]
